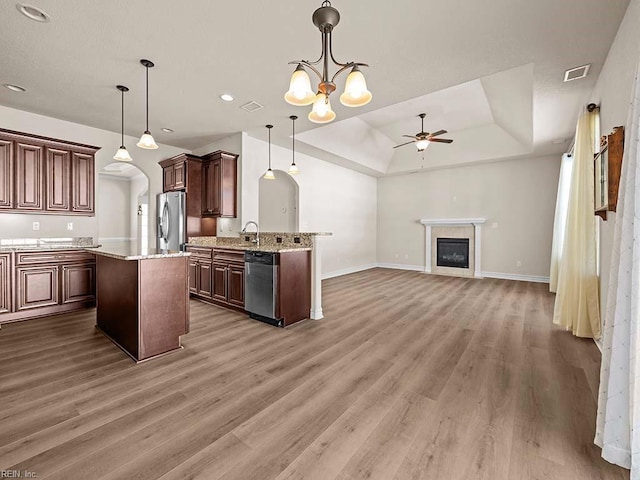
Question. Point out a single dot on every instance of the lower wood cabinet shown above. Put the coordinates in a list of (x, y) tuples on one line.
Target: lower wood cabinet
[(5, 283), (40, 283), (217, 275)]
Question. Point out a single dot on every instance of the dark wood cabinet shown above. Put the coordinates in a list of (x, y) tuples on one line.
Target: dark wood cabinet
[(235, 285), (219, 184), (46, 175), (216, 275), (200, 272), (83, 195), (184, 173), (5, 282), (58, 173), (219, 271), (6, 174), (29, 170), (293, 302), (46, 283), (205, 283)]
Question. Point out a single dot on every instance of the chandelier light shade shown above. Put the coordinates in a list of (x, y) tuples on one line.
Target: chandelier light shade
[(269, 174), (146, 140), (300, 93), (293, 169), (122, 155), (321, 112), (422, 145)]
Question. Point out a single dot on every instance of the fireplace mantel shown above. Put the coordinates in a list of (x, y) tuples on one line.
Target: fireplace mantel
[(453, 222)]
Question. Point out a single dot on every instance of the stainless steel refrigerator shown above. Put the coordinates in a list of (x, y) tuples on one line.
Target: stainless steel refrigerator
[(171, 221)]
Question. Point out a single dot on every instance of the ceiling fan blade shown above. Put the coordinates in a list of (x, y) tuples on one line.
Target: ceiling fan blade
[(439, 132), (410, 136), (441, 140), (403, 144)]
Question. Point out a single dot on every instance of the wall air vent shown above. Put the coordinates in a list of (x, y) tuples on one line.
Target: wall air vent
[(576, 73), (252, 106)]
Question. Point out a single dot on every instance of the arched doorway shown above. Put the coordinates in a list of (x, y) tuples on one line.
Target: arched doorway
[(123, 197), (278, 203)]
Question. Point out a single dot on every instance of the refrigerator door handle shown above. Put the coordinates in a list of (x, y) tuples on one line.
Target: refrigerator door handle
[(165, 221)]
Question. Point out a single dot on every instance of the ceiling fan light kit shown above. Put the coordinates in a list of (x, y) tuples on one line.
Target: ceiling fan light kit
[(300, 93), (423, 139), (146, 140)]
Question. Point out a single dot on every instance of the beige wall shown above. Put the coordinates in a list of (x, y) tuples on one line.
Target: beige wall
[(20, 225), (613, 93), (516, 197), (116, 192)]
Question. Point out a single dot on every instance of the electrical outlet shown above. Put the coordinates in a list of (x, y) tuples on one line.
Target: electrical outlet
[(70, 226), (518, 264), (494, 225), (36, 225), (406, 257)]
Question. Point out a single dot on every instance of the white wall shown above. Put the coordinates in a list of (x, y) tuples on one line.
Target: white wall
[(116, 192), (613, 93), (20, 225), (518, 195), (139, 185), (278, 203)]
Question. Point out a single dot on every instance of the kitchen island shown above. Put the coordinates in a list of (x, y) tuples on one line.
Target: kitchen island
[(142, 299)]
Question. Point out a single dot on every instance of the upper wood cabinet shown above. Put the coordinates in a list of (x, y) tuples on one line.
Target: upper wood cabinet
[(5, 282), (45, 175), (219, 184), (175, 173)]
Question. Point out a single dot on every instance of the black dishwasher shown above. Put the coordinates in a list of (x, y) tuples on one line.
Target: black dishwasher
[(261, 286)]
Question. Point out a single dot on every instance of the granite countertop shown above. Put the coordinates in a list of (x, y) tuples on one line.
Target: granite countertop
[(48, 247), (254, 248), (135, 252)]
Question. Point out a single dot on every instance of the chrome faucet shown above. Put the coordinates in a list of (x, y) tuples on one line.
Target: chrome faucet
[(244, 230)]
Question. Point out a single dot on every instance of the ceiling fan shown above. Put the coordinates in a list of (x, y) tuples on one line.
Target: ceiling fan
[(423, 139)]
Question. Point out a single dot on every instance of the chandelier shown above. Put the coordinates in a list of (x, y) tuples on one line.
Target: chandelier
[(355, 92)]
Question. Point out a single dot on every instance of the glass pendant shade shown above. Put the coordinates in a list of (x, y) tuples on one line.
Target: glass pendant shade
[(122, 155), (300, 93), (322, 112), (269, 175), (293, 169), (355, 90), (422, 145), (147, 141)]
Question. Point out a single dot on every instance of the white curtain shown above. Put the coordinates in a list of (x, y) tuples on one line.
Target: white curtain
[(577, 306), (618, 422), (560, 221)]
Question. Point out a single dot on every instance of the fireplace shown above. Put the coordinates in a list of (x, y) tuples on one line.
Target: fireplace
[(452, 252)]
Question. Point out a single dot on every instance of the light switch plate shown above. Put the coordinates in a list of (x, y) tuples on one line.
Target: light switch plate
[(70, 226), (36, 225)]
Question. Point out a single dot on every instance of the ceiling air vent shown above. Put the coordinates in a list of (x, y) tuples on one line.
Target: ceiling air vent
[(576, 73), (252, 106)]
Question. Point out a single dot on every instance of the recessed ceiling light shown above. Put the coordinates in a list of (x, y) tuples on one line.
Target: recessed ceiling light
[(167, 130), (226, 97), (34, 13), (15, 88)]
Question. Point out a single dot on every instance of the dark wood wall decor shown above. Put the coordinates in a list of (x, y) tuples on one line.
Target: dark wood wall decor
[(46, 175), (607, 171)]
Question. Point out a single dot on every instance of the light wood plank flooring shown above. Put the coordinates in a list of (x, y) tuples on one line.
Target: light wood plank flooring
[(409, 376)]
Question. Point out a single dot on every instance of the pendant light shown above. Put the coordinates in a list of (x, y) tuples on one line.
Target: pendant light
[(146, 140), (293, 169), (122, 154), (269, 174), (355, 93)]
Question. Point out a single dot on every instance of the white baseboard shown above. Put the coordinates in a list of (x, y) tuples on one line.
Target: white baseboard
[(400, 266), (347, 271), (420, 268), (513, 276)]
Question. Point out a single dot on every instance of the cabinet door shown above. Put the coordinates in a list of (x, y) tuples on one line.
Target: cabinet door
[(216, 186), (29, 182), (167, 179), (236, 286), (6, 174), (193, 276), (179, 176), (220, 281), (58, 175), (78, 283), (37, 287), (5, 282), (82, 183), (205, 279), (206, 189)]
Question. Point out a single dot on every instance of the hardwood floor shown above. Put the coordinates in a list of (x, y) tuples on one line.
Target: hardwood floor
[(409, 376)]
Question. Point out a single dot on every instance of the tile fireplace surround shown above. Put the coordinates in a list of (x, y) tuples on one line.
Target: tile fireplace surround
[(470, 228)]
